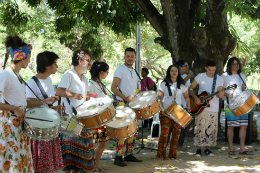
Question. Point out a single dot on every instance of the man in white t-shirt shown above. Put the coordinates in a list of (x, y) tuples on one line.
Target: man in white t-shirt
[(186, 75), (206, 129), (124, 85), (232, 76)]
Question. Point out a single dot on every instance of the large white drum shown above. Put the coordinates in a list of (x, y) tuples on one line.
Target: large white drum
[(145, 105), (123, 125), (42, 130), (95, 112)]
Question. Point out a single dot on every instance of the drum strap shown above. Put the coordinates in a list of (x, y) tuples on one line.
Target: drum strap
[(242, 80), (214, 83), (72, 107), (170, 92), (38, 83)]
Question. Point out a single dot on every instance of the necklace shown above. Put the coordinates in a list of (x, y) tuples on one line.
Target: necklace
[(129, 71), (18, 77)]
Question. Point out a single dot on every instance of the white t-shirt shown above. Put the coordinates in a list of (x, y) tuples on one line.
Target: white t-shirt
[(187, 85), (72, 83), (95, 88), (129, 80), (167, 99), (11, 89), (205, 84), (46, 85), (230, 80)]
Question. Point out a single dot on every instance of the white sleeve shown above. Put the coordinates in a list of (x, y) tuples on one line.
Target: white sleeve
[(86, 86), (198, 78), (119, 73), (65, 81), (4, 82), (183, 89), (162, 87), (91, 88), (220, 81), (29, 94)]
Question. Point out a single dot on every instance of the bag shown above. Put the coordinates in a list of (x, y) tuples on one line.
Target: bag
[(155, 130), (155, 87)]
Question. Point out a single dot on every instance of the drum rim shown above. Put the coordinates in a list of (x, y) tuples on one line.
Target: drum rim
[(156, 99), (122, 126), (83, 117), (252, 93), (44, 138), (124, 138), (99, 125)]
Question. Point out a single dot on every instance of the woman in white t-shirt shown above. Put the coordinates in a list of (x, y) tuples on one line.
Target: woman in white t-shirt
[(175, 84), (42, 151), (99, 71), (15, 147)]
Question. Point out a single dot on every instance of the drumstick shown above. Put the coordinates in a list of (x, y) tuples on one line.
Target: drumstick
[(63, 111), (35, 119)]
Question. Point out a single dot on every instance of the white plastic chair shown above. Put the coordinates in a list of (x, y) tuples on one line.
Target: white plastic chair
[(155, 121)]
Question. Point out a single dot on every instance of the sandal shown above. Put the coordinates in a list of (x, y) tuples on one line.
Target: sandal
[(246, 153), (100, 170), (231, 153)]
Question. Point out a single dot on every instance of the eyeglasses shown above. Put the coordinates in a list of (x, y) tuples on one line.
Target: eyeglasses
[(89, 60), (235, 64), (186, 66)]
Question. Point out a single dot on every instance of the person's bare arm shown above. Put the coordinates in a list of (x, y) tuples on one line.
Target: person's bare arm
[(221, 93), (38, 103), (187, 99), (192, 93), (20, 114), (160, 96), (243, 87), (114, 89), (62, 92), (190, 75)]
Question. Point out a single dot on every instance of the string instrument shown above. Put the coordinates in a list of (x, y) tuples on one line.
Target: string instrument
[(205, 97)]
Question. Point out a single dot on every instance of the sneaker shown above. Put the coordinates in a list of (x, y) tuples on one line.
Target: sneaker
[(198, 153), (119, 161), (209, 153), (131, 158)]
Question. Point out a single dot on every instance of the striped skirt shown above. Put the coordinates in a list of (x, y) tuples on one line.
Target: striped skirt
[(78, 153)]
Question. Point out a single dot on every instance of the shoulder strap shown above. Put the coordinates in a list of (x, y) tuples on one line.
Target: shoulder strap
[(38, 83), (97, 87), (214, 83), (140, 79), (242, 80), (72, 107), (169, 90)]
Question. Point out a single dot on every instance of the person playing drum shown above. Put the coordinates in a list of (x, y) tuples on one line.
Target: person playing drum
[(78, 153), (47, 156), (206, 123), (186, 75), (171, 90), (15, 147), (233, 75), (124, 84), (99, 71)]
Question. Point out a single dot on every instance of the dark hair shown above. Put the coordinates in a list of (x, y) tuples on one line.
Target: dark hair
[(146, 70), (211, 63), (168, 79), (13, 41), (130, 50), (96, 68), (180, 63), (45, 59), (79, 54), (229, 65)]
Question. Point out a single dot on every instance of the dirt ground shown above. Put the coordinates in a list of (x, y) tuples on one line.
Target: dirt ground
[(186, 161)]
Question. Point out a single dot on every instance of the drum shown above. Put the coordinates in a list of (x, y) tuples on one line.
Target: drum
[(243, 103), (145, 105), (95, 112), (178, 114), (70, 127), (41, 130), (124, 124)]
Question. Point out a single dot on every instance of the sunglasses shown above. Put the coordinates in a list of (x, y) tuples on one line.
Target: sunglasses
[(89, 60), (186, 66)]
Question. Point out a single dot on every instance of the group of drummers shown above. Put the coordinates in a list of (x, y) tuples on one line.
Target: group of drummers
[(88, 115)]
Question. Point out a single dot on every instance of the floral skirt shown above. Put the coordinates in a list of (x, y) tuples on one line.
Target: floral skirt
[(15, 148), (78, 153), (47, 155)]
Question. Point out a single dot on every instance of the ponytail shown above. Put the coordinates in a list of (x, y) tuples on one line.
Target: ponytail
[(96, 68)]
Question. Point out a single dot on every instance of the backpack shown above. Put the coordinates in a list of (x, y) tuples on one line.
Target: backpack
[(154, 84)]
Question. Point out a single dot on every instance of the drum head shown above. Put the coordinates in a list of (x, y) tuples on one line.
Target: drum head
[(124, 117), (240, 99), (43, 113), (94, 106), (143, 99)]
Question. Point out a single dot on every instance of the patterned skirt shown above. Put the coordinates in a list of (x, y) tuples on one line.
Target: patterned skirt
[(78, 153), (47, 155), (15, 148)]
